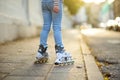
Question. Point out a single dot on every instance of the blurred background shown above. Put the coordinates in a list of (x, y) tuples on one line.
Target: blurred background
[(22, 18)]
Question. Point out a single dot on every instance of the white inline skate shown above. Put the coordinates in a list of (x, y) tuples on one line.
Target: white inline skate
[(42, 55), (63, 58)]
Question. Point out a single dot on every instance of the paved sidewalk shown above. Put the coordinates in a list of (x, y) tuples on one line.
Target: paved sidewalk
[(17, 60)]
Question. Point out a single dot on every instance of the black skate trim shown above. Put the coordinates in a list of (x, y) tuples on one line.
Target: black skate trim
[(65, 63), (42, 48), (40, 52), (45, 54), (56, 63)]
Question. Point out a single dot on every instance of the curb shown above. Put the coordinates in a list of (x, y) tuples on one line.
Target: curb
[(92, 70)]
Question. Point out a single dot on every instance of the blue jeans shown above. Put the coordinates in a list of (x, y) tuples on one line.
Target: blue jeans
[(50, 17)]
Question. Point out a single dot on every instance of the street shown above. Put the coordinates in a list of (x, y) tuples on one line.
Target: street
[(105, 46)]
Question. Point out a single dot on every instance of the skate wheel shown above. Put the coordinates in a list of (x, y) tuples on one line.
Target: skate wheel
[(36, 62), (68, 63), (40, 62), (65, 63), (73, 62), (60, 64), (44, 61)]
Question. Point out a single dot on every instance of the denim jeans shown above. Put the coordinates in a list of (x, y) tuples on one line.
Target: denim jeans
[(50, 17)]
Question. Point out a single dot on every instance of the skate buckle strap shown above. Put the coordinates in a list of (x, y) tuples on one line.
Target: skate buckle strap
[(42, 48), (40, 51), (59, 49)]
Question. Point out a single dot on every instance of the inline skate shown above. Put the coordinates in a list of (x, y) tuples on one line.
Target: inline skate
[(63, 58), (42, 55)]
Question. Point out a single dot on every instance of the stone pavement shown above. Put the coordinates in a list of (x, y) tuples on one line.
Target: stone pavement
[(17, 60)]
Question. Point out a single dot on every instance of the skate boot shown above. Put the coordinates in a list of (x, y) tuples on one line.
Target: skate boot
[(63, 58), (42, 55)]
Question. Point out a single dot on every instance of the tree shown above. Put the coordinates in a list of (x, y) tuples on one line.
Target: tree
[(116, 7), (73, 5)]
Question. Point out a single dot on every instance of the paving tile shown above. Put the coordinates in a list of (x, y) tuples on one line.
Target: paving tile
[(66, 76), (68, 68), (2, 75), (23, 78), (9, 67), (32, 70)]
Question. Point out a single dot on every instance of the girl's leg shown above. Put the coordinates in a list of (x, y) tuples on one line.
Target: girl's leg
[(47, 18), (57, 18), (62, 56), (42, 55)]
